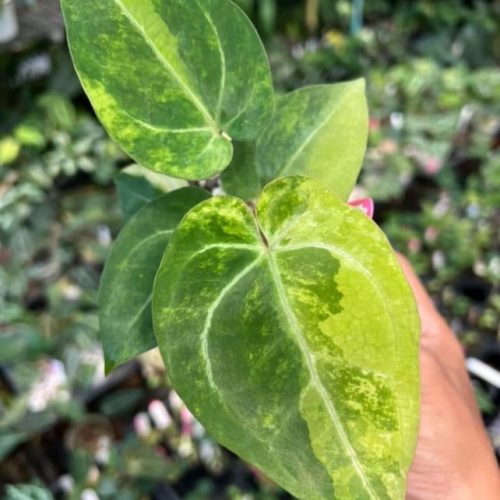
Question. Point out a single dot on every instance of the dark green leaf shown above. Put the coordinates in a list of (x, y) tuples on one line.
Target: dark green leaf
[(9, 441), (127, 281), (138, 186), (241, 178)]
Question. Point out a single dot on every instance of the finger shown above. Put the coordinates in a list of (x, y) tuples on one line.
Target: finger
[(437, 336), (429, 316)]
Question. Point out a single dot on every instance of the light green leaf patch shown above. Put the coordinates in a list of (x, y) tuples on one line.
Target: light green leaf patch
[(127, 282), (172, 81), (292, 335), (319, 131)]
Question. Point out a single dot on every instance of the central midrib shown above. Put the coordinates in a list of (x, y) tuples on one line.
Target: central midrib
[(192, 96), (283, 171), (315, 379)]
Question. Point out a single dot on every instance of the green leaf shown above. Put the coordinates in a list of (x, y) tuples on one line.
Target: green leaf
[(9, 441), (241, 178), (172, 81), (127, 281), (27, 492), (319, 131), (137, 186), (9, 150), (293, 337)]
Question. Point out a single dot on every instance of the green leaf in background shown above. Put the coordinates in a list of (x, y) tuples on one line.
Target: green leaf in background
[(9, 150), (172, 81), (293, 338), (127, 281), (241, 178), (9, 441), (137, 186), (319, 131), (27, 492)]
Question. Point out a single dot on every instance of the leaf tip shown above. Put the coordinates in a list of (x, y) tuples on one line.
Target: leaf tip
[(109, 366), (361, 82)]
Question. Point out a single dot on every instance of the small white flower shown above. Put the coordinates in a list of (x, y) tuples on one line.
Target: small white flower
[(438, 259), (89, 494), (175, 401), (397, 120), (103, 450), (93, 475), (159, 415), (142, 425), (186, 447), (66, 483), (51, 386), (207, 452)]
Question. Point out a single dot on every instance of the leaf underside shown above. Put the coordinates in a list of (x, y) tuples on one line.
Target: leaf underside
[(127, 282), (292, 335), (172, 81), (320, 131)]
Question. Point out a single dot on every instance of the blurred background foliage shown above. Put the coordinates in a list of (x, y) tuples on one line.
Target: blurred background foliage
[(432, 166)]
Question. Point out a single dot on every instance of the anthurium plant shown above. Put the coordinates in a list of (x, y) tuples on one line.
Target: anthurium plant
[(281, 312)]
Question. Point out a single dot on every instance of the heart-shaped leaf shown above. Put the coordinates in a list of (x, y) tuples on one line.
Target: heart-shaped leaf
[(292, 336), (319, 131), (127, 282), (172, 81)]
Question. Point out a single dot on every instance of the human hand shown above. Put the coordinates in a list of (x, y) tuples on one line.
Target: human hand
[(454, 459)]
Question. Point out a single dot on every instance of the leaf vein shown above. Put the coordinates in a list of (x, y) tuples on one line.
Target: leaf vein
[(339, 252), (315, 378), (242, 111), (147, 240), (164, 62), (211, 311), (311, 136), (223, 63), (140, 311), (232, 246)]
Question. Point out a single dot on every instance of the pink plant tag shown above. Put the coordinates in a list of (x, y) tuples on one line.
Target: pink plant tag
[(366, 205)]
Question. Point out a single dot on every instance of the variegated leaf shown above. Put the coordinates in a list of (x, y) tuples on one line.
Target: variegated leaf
[(319, 131), (292, 335), (173, 81)]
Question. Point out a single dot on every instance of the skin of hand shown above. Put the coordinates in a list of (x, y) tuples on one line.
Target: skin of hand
[(454, 458)]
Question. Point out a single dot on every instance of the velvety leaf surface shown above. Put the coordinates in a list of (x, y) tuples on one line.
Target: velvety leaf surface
[(293, 336), (137, 186), (319, 131), (127, 282), (172, 81)]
